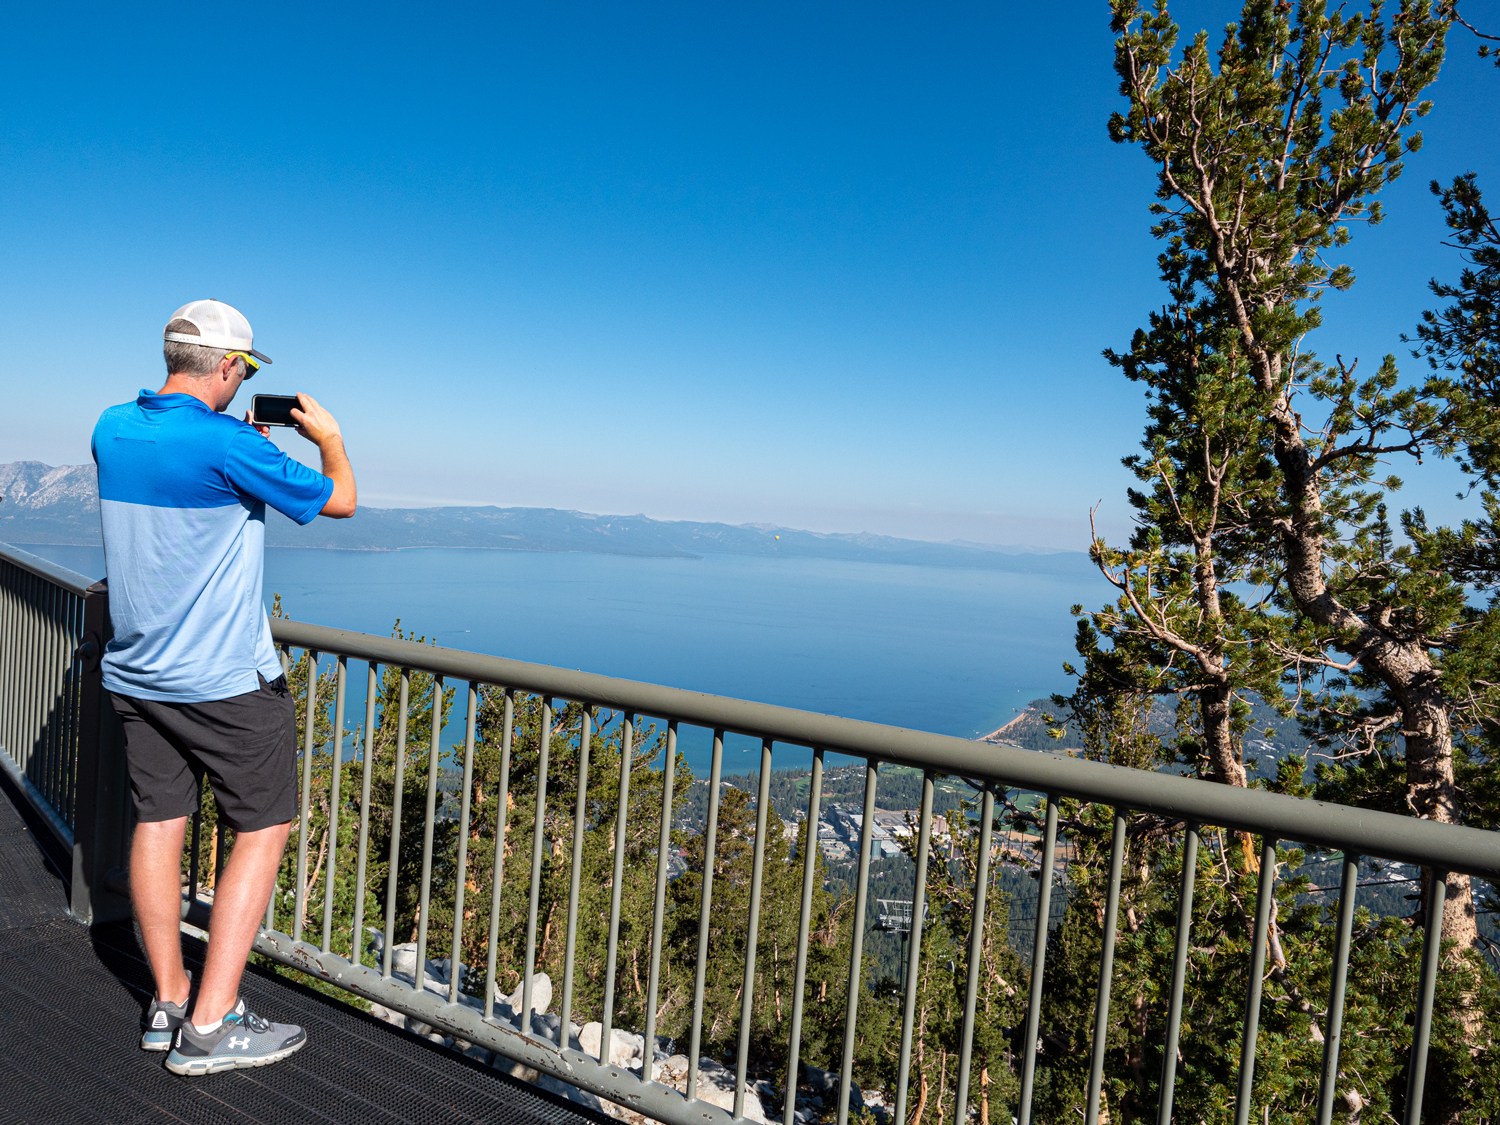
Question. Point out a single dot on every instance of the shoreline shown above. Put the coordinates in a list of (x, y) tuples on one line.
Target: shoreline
[(996, 736)]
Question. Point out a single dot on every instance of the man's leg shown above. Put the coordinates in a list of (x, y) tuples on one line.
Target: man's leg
[(156, 894), (240, 899)]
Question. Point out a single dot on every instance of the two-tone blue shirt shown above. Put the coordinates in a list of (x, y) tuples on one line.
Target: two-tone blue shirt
[(182, 498)]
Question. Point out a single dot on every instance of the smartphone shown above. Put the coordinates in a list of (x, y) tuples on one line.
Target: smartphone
[(272, 410)]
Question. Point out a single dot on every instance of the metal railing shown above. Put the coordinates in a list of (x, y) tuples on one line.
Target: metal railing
[(551, 796), (56, 732), (41, 628)]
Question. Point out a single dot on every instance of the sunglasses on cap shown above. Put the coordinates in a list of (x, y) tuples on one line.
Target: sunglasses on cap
[(252, 365)]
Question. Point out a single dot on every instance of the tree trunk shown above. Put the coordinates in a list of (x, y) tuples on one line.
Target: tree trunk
[(1432, 794), (1218, 737), (1402, 664)]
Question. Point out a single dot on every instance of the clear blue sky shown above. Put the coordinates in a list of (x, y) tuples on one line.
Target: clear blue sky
[(842, 267)]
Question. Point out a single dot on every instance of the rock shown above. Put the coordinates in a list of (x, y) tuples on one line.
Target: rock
[(823, 1086), (541, 994), (546, 1026), (438, 976), (715, 1085), (404, 959), (625, 1049)]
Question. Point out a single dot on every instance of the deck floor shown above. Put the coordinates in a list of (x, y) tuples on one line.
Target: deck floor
[(71, 999)]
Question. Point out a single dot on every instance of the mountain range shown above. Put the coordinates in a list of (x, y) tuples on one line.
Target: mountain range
[(43, 504)]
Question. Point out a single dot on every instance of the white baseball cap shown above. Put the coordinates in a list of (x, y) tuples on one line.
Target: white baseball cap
[(219, 326)]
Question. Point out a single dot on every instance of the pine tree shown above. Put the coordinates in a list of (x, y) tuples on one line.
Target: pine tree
[(1263, 163), (1265, 556)]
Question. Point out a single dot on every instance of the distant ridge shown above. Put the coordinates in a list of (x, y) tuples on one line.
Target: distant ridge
[(42, 504)]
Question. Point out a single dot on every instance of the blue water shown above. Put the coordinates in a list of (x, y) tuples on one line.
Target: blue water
[(948, 650)]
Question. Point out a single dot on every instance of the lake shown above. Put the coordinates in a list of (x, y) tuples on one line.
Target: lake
[(955, 651)]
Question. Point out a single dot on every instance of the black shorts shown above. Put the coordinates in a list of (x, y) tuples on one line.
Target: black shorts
[(247, 746)]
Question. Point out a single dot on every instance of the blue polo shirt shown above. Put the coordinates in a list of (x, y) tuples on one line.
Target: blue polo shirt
[(182, 498)]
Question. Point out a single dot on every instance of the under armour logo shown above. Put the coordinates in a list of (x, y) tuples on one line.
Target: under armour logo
[(239, 1044)]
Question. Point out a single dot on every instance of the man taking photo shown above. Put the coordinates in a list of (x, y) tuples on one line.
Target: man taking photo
[(192, 672)]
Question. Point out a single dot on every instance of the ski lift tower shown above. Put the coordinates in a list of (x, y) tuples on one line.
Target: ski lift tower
[(895, 915)]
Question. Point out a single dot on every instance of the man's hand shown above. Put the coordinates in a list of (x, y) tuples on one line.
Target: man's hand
[(313, 421), (322, 429), (263, 431)]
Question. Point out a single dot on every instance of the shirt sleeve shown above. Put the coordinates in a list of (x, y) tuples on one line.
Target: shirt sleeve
[(256, 467)]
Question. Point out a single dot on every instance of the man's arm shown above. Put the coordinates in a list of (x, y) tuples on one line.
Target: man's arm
[(322, 429)]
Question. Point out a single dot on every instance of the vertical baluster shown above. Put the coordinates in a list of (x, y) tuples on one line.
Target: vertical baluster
[(47, 726), (15, 684), (367, 754), (580, 817), (393, 875), (26, 654), (497, 879), (15, 681), (1179, 972), (1106, 969), (538, 840), (705, 912), (429, 824), (47, 734), (1038, 961), (335, 777), (857, 945), (1264, 903), (804, 927), (7, 659), (914, 946), (455, 958), (71, 690), (309, 731), (18, 744), (9, 682), (1432, 957), (194, 843), (1333, 1036), (976, 953), (57, 720), (752, 935), (33, 679), (67, 729), (15, 743), (220, 856), (622, 824), (40, 677), (283, 653), (658, 908), (21, 751), (76, 710), (41, 770)]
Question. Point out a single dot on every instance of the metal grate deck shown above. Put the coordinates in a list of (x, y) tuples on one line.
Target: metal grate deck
[(70, 1005)]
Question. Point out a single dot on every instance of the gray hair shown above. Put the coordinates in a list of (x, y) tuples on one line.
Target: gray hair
[(189, 359)]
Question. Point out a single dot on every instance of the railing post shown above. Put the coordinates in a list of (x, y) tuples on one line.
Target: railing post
[(101, 819)]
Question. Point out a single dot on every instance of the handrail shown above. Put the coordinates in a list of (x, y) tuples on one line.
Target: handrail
[(1422, 842), (61, 576)]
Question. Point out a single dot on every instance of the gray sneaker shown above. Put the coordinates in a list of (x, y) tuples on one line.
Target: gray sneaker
[(242, 1040), (161, 1021)]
